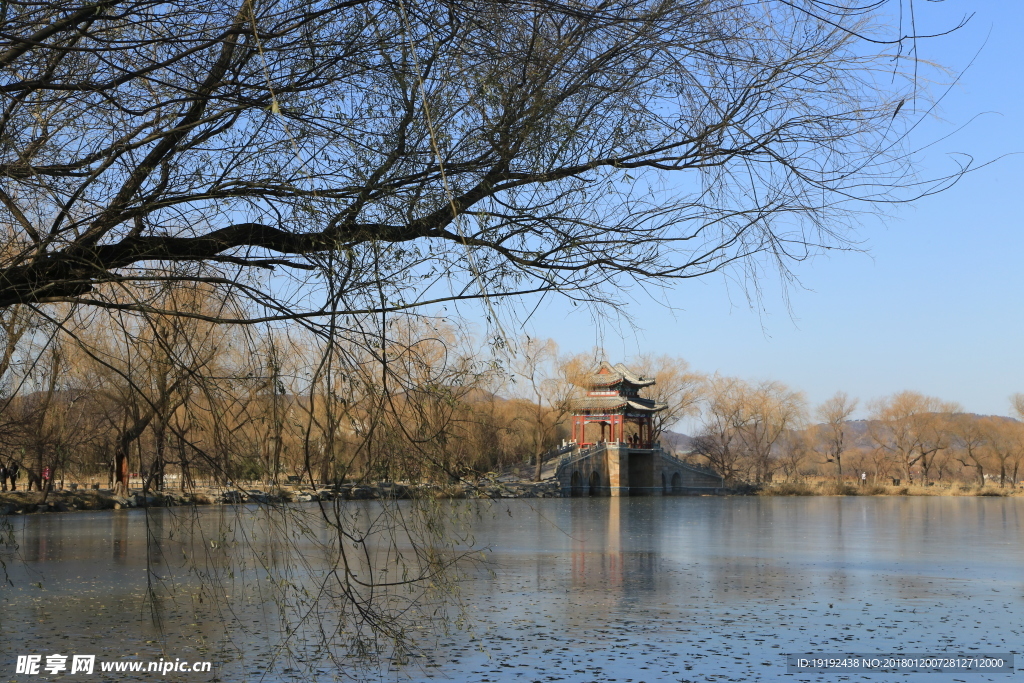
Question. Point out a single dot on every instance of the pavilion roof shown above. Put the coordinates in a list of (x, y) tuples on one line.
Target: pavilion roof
[(645, 405), (610, 375)]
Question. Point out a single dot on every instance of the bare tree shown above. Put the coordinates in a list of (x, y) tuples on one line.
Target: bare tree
[(770, 410), (678, 388), (794, 447), (1017, 402), (532, 368), (971, 440), (1008, 449), (833, 415), (911, 428), (148, 362), (719, 440), (432, 150), (882, 463)]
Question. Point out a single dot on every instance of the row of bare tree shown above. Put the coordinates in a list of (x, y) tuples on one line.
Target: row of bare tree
[(94, 394), (751, 432), (174, 396)]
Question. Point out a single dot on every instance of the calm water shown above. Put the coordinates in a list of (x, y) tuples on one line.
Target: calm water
[(674, 589)]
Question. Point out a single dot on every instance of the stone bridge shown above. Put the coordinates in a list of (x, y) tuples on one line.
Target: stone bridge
[(617, 469)]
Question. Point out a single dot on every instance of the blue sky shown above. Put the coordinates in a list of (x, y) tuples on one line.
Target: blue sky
[(937, 305)]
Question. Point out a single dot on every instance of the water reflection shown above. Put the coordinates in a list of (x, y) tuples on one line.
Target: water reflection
[(119, 537), (615, 587), (611, 547)]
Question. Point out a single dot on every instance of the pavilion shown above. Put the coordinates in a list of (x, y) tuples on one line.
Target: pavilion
[(613, 410)]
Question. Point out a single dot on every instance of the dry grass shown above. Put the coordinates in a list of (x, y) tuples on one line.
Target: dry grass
[(788, 489), (832, 488)]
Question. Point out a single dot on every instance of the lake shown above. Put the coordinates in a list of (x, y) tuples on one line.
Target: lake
[(600, 589)]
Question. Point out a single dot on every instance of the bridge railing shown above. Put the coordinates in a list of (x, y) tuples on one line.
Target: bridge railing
[(569, 457), (693, 466)]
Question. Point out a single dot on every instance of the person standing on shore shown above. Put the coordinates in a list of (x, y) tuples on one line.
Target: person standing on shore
[(13, 473), (3, 477)]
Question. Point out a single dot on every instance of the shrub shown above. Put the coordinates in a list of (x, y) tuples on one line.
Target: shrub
[(745, 489)]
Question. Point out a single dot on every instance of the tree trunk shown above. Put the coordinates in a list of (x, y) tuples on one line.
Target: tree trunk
[(540, 461), (121, 470), (155, 479), (124, 443)]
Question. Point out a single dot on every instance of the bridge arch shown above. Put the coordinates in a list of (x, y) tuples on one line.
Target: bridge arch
[(576, 483), (618, 470)]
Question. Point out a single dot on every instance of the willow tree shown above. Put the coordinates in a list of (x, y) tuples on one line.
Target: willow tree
[(832, 432), (379, 156), (912, 429)]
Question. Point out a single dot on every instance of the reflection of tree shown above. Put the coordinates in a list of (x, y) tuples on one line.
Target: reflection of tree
[(120, 539)]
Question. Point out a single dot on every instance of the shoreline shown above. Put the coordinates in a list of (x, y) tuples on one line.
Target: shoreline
[(84, 500)]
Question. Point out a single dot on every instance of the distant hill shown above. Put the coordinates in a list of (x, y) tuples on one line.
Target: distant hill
[(858, 434), (676, 441)]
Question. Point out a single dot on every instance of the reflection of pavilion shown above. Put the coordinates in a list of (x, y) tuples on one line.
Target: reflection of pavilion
[(602, 556)]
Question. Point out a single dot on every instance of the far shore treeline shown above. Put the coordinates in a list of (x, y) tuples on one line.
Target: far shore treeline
[(173, 401)]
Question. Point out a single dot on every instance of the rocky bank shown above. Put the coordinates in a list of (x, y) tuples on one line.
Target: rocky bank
[(25, 502)]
